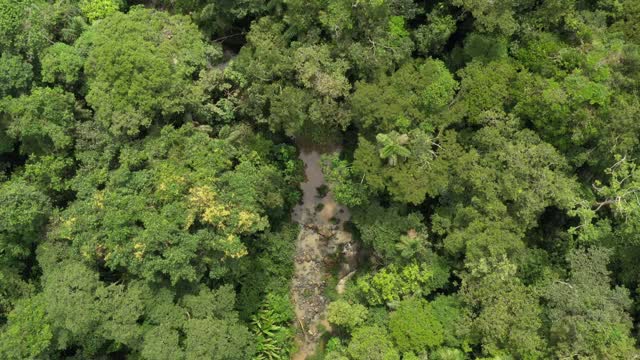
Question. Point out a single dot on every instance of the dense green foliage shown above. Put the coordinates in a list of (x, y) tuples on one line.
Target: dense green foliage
[(490, 159)]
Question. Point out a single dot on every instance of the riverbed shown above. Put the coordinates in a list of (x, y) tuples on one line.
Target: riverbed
[(322, 237)]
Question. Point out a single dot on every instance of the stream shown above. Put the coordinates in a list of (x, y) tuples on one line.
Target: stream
[(322, 237)]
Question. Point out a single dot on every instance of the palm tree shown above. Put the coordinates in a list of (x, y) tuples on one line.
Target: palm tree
[(412, 245), (392, 146)]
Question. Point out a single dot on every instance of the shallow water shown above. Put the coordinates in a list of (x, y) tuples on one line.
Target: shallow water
[(314, 178)]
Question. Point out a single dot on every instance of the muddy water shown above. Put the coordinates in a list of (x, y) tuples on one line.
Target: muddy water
[(322, 235)]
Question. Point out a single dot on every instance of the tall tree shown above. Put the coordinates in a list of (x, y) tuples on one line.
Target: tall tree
[(587, 315), (140, 67)]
